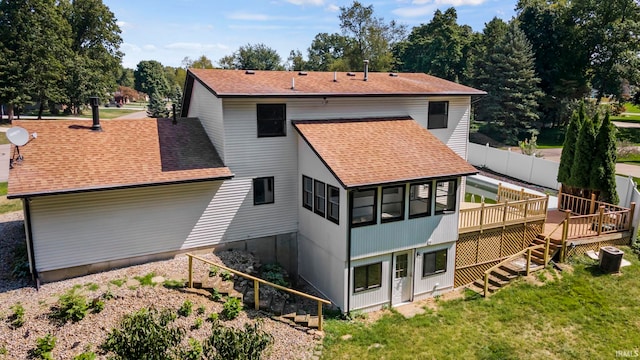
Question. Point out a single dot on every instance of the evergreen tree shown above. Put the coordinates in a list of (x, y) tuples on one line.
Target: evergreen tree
[(603, 170), (157, 106), (569, 147), (582, 161), (176, 98), (513, 91)]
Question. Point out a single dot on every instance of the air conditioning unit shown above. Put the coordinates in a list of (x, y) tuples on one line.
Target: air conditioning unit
[(610, 259)]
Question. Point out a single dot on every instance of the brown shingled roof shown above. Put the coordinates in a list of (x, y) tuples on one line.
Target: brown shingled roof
[(378, 151), (237, 83), (68, 157)]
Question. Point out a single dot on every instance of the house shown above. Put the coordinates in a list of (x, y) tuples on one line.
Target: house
[(350, 180)]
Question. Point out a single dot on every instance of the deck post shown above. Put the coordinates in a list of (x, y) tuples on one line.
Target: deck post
[(546, 250), (521, 194), (632, 210), (600, 219), (592, 204), (481, 216), (190, 271), (486, 285), (504, 213), (499, 192), (256, 294), (565, 231), (319, 316), (528, 260), (559, 197)]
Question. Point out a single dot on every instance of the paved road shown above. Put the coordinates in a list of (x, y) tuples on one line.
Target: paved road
[(621, 169)]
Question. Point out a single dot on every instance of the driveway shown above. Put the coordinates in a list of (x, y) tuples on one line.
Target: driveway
[(621, 169), (5, 151)]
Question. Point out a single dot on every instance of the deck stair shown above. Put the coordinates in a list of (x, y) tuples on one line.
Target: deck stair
[(537, 255), (285, 308)]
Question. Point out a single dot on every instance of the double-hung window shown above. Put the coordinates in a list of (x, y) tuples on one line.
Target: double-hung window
[(438, 115), (419, 200), (445, 196), (363, 207), (320, 197), (272, 120), (263, 190), (434, 262), (307, 192), (392, 203), (367, 277), (333, 204)]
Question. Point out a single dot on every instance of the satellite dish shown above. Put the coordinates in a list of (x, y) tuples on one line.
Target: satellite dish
[(18, 136)]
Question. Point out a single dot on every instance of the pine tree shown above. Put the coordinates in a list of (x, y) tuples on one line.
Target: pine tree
[(157, 106), (582, 161), (603, 171), (569, 147)]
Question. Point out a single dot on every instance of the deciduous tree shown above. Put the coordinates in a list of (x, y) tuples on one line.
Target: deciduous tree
[(150, 78), (253, 57)]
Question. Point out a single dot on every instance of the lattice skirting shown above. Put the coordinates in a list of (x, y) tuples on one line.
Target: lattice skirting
[(595, 246), (471, 274)]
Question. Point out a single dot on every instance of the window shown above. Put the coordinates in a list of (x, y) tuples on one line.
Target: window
[(419, 200), (271, 120), (319, 192), (392, 204), (434, 262), (438, 115), (445, 196), (263, 190), (307, 192), (363, 207), (367, 277), (333, 204)]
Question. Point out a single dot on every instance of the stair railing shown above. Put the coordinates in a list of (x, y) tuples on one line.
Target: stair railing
[(256, 285)]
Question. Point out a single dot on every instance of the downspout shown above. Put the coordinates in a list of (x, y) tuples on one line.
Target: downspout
[(349, 252), (29, 234)]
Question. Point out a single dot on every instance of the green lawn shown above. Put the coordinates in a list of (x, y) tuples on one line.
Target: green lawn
[(550, 138), (579, 314), (5, 204), (3, 138), (631, 108), (626, 118), (110, 113), (477, 199)]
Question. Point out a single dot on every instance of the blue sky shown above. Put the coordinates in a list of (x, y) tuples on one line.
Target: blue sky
[(170, 30)]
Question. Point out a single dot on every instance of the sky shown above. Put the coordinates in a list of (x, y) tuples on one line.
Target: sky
[(170, 30)]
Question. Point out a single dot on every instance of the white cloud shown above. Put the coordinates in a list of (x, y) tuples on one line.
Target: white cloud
[(149, 47), (428, 7), (333, 8), (127, 47), (249, 16), (449, 2), (188, 46), (306, 2), (122, 24)]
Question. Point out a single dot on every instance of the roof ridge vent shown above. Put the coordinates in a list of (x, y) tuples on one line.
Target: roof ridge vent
[(249, 72), (351, 74), (302, 73), (393, 74)]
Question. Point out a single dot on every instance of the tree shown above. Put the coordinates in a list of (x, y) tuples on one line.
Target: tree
[(157, 106), (441, 48), (585, 148), (150, 78), (603, 170), (176, 98), (369, 38), (511, 84), (325, 50), (253, 57), (569, 146), (126, 77), (295, 61), (34, 41)]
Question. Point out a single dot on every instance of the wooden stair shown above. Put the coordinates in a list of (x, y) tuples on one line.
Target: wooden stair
[(498, 279), (537, 256)]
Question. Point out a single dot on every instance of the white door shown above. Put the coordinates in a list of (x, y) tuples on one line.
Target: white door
[(402, 275)]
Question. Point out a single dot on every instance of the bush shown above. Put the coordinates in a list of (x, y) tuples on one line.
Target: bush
[(197, 324), (20, 261), (201, 310), (213, 317), (146, 280), (230, 343), (231, 308), (186, 309), (275, 273), (194, 352), (16, 319), (44, 346), (215, 295), (90, 355), (97, 305), (71, 306), (213, 271), (145, 334), (226, 275)]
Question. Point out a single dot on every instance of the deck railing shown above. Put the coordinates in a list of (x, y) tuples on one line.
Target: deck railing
[(256, 285), (583, 206), (506, 194), (488, 216)]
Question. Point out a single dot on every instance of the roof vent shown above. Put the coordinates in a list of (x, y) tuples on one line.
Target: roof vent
[(393, 74), (302, 73), (95, 113), (335, 76), (249, 72), (351, 74), (366, 70), (293, 83)]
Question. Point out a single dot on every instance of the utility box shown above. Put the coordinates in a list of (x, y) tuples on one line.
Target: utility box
[(610, 259)]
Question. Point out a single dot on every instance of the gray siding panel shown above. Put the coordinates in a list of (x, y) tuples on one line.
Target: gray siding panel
[(434, 284), (208, 108), (377, 296)]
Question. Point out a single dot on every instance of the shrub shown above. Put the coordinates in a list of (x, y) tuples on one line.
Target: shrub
[(97, 305), (44, 346), (213, 317), (173, 284), (213, 271), (198, 323), (145, 334), (146, 280), (186, 309), (89, 355), (16, 319), (231, 343), (231, 308), (194, 352), (118, 282), (274, 273), (92, 286), (215, 295), (226, 275), (201, 310), (108, 295), (20, 261), (71, 306)]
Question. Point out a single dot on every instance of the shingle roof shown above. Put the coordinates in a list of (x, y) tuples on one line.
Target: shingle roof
[(237, 83), (67, 156), (364, 152)]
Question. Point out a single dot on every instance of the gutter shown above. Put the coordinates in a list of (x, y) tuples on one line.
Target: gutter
[(349, 227), (30, 247)]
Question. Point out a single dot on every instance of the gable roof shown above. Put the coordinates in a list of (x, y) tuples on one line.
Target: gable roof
[(68, 157), (238, 83), (362, 152)]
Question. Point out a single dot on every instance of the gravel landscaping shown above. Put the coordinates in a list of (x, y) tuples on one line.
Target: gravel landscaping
[(127, 295)]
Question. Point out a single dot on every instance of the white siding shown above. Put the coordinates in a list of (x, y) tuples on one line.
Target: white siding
[(80, 229), (374, 297), (322, 243), (456, 134), (208, 109), (438, 283)]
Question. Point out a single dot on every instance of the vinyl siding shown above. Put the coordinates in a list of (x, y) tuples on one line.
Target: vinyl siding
[(208, 109), (80, 229), (456, 135), (373, 297), (434, 284)]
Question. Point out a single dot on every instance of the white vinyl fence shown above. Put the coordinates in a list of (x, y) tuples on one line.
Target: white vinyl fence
[(541, 172)]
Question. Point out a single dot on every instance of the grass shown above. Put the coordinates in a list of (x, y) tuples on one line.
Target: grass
[(469, 197), (146, 280), (7, 205), (631, 108), (109, 113), (581, 315), (3, 138), (550, 138), (626, 118)]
